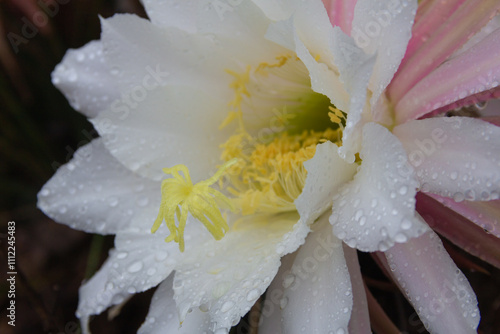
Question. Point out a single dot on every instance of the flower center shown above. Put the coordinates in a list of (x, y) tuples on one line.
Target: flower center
[(263, 159), (270, 176)]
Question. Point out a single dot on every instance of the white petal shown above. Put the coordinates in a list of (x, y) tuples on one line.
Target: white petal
[(318, 293), (357, 114), (175, 97), (168, 128), (360, 319), (314, 29), (226, 277), (139, 262), (377, 208), (325, 172), (323, 79), (173, 13), (276, 10), (163, 318), (96, 194), (281, 33), (227, 35), (85, 79), (355, 68), (270, 319), (383, 28), (178, 59), (456, 157), (438, 290), (349, 58), (238, 28)]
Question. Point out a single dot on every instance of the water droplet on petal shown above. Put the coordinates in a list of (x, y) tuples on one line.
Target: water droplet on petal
[(288, 281), (121, 255), (135, 267), (403, 190), (227, 306), (283, 302), (113, 201), (161, 255), (253, 294)]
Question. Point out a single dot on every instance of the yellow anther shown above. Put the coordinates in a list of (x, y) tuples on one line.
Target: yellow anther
[(179, 196), (336, 116), (281, 61)]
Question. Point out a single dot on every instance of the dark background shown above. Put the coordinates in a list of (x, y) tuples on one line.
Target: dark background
[(39, 132)]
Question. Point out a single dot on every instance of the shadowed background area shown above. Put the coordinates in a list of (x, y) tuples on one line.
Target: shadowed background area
[(39, 132)]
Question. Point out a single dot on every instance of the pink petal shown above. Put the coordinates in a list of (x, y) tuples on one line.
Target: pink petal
[(492, 119), (472, 72), (270, 319), (455, 157), (478, 99), (459, 230), (483, 214), (430, 16), (360, 319), (460, 26), (341, 13), (434, 285)]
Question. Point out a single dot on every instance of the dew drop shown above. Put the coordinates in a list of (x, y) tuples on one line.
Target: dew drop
[(113, 201), (227, 306), (253, 294), (358, 215), (362, 221), (400, 237), (121, 255), (161, 255), (288, 281), (406, 224), (458, 197), (135, 267), (283, 302)]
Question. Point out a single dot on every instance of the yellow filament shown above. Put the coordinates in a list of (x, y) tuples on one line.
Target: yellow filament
[(270, 177), (180, 197), (240, 90)]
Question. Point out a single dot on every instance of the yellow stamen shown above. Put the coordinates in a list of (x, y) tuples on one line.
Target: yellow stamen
[(281, 61), (270, 177), (179, 197), (240, 90), (336, 116)]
